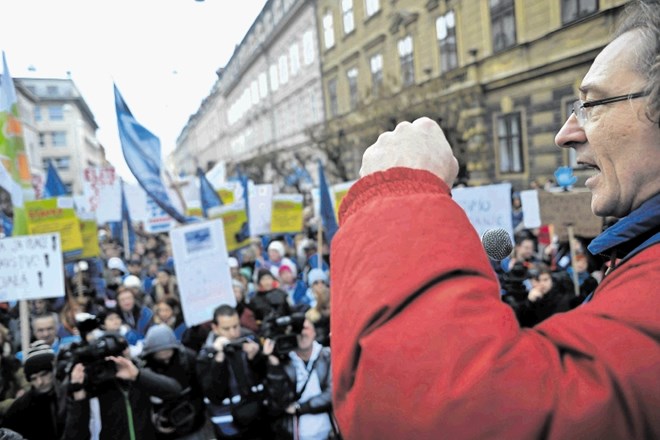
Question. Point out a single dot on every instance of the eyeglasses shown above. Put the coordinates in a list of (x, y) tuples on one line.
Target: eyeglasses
[(580, 107)]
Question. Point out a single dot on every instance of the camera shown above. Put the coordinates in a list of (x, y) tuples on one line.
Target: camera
[(284, 331), (512, 281), (237, 345), (92, 354)]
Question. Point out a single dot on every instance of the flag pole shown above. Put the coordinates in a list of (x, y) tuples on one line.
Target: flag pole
[(319, 248), (175, 186)]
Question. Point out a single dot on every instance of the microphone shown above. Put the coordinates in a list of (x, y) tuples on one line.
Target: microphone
[(497, 243)]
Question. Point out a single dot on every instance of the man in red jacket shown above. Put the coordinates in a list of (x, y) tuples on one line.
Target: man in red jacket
[(427, 349)]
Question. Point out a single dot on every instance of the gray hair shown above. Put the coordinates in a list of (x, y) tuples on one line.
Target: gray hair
[(643, 17)]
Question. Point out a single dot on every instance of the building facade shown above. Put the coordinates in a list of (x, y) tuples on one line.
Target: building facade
[(64, 126), (267, 100), (498, 75)]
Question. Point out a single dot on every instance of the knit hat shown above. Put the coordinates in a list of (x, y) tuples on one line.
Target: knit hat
[(40, 357), (315, 275), (132, 281), (233, 262), (159, 337), (117, 263), (288, 267), (277, 246)]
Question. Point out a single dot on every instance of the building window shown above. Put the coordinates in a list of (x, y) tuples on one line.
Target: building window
[(263, 85), (372, 6), (445, 28), (405, 47), (503, 24), (55, 113), (58, 138), (572, 10), (37, 113), (42, 140), (509, 141), (274, 82), (284, 70), (294, 55), (332, 97), (328, 31), (352, 76), (62, 163), (347, 14), (376, 64), (308, 48)]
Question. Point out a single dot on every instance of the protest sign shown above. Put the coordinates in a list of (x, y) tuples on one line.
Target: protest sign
[(261, 208), (56, 215), (234, 219), (338, 192), (227, 192), (31, 267), (89, 231), (102, 191), (569, 208), (202, 269), (287, 214), (157, 219), (487, 206), (136, 198)]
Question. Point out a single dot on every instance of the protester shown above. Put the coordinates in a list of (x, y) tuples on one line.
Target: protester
[(168, 311), (546, 297), (133, 314), (269, 299), (294, 287), (299, 387), (12, 379), (232, 370), (424, 348), (39, 413), (44, 327)]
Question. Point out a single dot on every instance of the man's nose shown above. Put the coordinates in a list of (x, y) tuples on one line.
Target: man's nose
[(570, 133)]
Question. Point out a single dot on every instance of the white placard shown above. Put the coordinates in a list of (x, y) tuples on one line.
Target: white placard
[(102, 190), (136, 199), (530, 208), (487, 206), (261, 207), (202, 269), (157, 219), (31, 267)]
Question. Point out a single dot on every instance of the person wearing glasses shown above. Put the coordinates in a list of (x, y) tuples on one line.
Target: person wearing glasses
[(423, 346)]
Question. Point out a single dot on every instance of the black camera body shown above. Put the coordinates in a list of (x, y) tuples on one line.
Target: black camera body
[(284, 331), (91, 355), (237, 345)]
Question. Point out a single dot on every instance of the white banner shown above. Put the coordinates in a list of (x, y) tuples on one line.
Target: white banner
[(487, 206), (202, 269), (260, 208), (136, 199), (102, 190), (31, 267), (157, 219)]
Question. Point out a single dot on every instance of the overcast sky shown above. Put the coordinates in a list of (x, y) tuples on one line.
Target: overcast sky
[(162, 54)]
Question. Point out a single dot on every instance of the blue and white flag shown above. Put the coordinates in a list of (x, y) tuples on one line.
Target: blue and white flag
[(210, 198), (141, 150), (54, 186), (327, 212)]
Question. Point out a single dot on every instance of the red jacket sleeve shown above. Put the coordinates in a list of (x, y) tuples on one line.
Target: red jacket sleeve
[(424, 348)]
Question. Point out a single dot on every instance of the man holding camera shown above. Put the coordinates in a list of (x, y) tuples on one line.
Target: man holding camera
[(116, 408), (232, 369), (299, 386), (43, 402)]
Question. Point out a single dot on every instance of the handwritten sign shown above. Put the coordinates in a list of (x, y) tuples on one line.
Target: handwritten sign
[(287, 213), (201, 263), (565, 208), (102, 190), (31, 267), (487, 206), (157, 219), (56, 215)]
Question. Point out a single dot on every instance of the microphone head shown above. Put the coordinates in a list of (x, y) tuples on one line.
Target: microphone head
[(497, 243)]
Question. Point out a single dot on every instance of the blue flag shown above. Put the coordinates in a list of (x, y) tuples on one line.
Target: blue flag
[(327, 212), (244, 232), (142, 154), (54, 186), (117, 228), (210, 198)]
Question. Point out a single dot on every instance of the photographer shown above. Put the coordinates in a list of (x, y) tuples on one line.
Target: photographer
[(299, 387), (232, 369), (116, 408), (183, 416)]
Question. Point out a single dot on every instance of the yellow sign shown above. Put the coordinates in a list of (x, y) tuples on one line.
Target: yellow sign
[(226, 195), (194, 212), (340, 190), (90, 238), (287, 213), (235, 222), (56, 215)]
